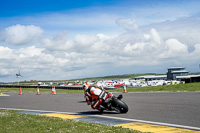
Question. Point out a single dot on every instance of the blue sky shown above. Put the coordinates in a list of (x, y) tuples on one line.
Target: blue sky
[(75, 39), (23, 7)]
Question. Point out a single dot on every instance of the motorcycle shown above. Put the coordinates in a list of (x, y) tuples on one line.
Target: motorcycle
[(114, 104), (109, 101)]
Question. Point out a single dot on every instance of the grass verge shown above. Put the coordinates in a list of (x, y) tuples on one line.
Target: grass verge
[(15, 122), (167, 88)]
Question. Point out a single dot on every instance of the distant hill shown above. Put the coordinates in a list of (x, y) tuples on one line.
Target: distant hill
[(124, 76)]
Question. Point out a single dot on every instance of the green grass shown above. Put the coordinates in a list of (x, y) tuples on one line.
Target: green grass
[(15, 122), (169, 88)]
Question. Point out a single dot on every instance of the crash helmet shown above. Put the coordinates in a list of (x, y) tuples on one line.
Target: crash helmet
[(85, 87)]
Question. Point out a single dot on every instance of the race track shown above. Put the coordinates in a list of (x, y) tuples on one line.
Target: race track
[(180, 108)]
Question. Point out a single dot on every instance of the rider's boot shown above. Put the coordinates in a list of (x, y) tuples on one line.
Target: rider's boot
[(101, 109)]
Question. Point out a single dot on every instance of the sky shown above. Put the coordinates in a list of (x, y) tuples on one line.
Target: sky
[(64, 39)]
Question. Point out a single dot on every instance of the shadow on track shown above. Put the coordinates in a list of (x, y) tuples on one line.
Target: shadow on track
[(81, 101)]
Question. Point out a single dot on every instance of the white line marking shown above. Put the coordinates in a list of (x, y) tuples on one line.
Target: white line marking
[(40, 111), (4, 94), (118, 118), (151, 122)]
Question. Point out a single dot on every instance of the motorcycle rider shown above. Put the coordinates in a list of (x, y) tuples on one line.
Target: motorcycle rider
[(95, 96)]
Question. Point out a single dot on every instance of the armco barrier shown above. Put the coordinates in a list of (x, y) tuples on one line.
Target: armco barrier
[(74, 87), (47, 87)]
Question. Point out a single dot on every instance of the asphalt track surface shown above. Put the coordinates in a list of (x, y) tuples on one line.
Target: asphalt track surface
[(181, 108)]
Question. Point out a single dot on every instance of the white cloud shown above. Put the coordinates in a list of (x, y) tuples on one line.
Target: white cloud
[(103, 36), (135, 49), (146, 36), (197, 49), (59, 57), (59, 42), (174, 45), (5, 52), (85, 40), (194, 56), (82, 43), (155, 36), (21, 34), (147, 44), (174, 48), (127, 24), (30, 51)]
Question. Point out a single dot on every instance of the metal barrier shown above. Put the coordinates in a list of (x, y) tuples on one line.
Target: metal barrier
[(74, 87), (46, 87)]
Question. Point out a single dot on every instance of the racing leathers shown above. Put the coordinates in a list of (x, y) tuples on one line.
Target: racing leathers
[(95, 96)]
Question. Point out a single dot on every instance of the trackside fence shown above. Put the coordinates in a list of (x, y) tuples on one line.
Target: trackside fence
[(46, 87), (75, 87)]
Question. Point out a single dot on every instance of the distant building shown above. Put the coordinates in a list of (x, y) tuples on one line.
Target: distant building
[(176, 71), (151, 77), (189, 78)]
